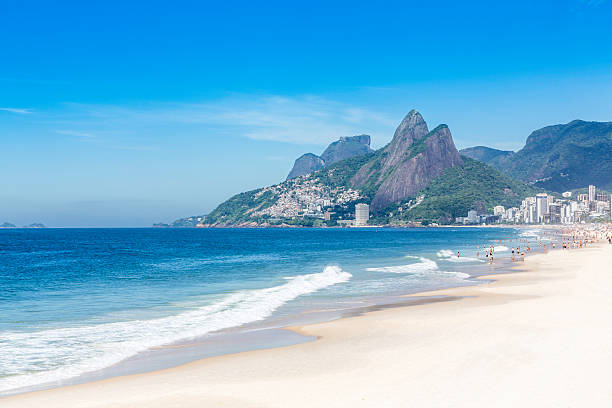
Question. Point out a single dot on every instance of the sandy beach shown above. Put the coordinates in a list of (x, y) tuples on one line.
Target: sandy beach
[(540, 337)]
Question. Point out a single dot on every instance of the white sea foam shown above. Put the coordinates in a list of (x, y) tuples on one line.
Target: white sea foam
[(57, 354), (500, 248), (464, 259), (445, 253), (531, 233), (460, 275), (451, 256), (423, 265)]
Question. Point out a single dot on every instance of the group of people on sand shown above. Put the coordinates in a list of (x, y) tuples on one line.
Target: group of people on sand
[(567, 238), (581, 236)]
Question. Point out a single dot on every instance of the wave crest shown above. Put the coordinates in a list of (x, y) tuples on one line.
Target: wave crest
[(90, 348), (423, 265)]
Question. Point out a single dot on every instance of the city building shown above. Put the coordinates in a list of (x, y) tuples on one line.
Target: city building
[(472, 217), (567, 194), (499, 210), (362, 214), (591, 193), (541, 207)]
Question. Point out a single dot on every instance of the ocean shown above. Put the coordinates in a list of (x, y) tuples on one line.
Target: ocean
[(76, 301)]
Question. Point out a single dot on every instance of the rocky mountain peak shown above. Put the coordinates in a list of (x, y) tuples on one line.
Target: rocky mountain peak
[(305, 164), (345, 147), (409, 162)]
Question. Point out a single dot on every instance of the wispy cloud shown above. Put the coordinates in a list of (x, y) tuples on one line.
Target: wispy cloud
[(84, 135), (296, 120), (21, 111)]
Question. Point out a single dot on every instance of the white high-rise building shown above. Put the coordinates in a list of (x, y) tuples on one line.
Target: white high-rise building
[(499, 210), (362, 214), (541, 206), (591, 193)]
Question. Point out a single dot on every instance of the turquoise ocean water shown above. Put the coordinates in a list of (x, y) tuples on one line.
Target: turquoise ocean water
[(74, 301)]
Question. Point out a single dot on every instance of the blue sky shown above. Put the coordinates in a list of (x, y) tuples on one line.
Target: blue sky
[(115, 114)]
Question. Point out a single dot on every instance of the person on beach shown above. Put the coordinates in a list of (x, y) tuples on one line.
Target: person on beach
[(457, 254)]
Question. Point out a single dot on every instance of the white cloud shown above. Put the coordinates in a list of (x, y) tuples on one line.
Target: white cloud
[(84, 135), (20, 111), (300, 120)]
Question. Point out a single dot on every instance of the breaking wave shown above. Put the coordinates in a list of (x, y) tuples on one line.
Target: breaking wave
[(445, 253), (423, 265), (31, 358)]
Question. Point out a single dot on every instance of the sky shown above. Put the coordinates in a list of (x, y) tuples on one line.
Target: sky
[(122, 114)]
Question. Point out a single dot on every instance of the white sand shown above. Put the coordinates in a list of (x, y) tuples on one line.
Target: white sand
[(539, 338)]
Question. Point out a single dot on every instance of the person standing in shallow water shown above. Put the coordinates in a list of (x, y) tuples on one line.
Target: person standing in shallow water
[(457, 254)]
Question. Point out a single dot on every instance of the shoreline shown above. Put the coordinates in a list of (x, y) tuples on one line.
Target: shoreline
[(336, 331), (269, 333)]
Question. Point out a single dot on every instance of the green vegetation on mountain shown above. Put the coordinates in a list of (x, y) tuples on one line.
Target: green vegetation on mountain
[(561, 157), (340, 173), (344, 148), (470, 186), (487, 155), (238, 208), (473, 185), (418, 176)]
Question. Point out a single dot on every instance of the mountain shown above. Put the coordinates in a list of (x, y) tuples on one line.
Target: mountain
[(486, 155), (472, 185), (418, 176), (563, 157), (187, 222), (7, 225), (347, 146), (307, 163), (36, 225), (408, 163)]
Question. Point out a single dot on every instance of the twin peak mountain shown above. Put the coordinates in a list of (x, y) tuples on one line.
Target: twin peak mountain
[(398, 171)]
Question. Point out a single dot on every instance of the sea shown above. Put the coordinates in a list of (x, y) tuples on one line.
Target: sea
[(83, 304)]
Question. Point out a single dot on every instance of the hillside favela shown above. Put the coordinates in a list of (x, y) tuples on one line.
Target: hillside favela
[(345, 204)]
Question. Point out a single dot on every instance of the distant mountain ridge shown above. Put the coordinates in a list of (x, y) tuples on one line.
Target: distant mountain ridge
[(344, 148), (558, 157), (11, 225), (487, 155), (418, 176)]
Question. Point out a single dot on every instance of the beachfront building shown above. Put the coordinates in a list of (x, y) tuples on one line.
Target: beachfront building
[(362, 214), (499, 210), (591, 193), (541, 206)]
